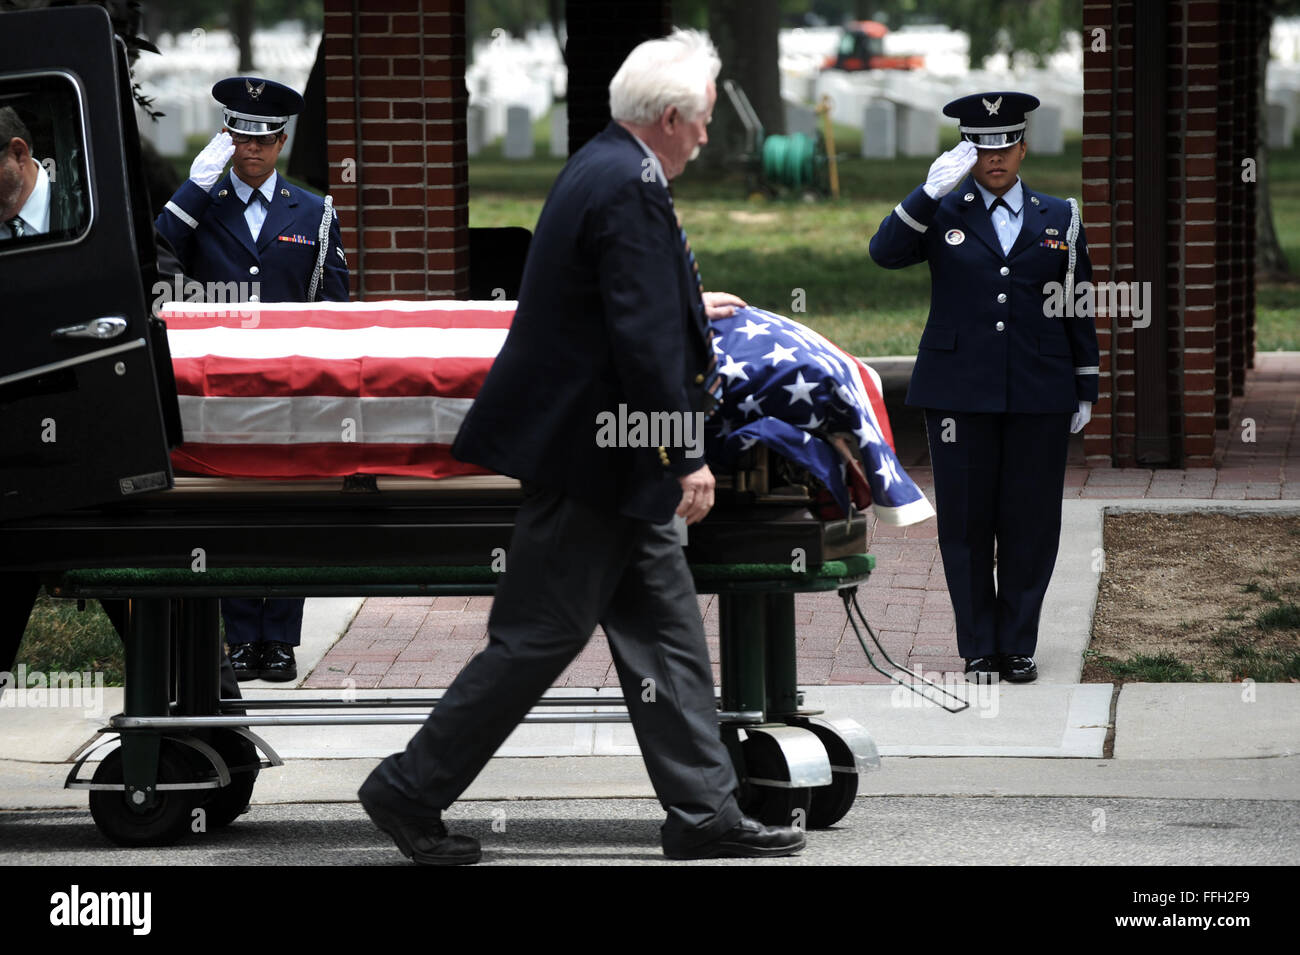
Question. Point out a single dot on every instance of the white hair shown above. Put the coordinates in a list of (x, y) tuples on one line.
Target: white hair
[(673, 71)]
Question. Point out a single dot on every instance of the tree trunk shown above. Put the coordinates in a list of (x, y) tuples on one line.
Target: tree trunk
[(1270, 261), (745, 33), (244, 34)]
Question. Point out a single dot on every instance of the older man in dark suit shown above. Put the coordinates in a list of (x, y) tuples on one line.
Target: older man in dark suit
[(610, 314)]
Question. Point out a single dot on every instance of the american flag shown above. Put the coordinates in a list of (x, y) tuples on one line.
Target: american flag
[(289, 390), (791, 389)]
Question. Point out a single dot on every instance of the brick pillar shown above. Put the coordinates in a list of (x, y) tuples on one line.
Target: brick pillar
[(1101, 101), (1195, 45), (1225, 203), (395, 103), (601, 34)]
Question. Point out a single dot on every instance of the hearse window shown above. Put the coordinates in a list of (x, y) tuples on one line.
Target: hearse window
[(44, 187)]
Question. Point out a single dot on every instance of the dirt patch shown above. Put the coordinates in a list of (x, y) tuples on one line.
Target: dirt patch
[(1197, 597)]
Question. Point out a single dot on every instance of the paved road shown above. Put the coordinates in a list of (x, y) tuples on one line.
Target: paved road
[(884, 830)]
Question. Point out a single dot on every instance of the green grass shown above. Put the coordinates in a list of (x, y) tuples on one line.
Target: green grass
[(59, 638), (1144, 668), (764, 251)]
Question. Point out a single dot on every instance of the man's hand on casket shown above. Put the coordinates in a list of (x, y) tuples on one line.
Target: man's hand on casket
[(721, 305), (697, 495)]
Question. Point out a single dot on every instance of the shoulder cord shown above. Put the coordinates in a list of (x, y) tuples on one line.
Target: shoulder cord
[(1071, 235), (322, 241)]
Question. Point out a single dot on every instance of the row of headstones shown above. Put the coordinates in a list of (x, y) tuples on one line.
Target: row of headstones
[(518, 143), (889, 130)]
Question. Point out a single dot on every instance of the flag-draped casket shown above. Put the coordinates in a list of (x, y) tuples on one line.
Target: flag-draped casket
[(336, 388)]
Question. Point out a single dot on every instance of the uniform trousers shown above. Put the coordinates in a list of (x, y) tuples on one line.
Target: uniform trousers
[(998, 481), (569, 567)]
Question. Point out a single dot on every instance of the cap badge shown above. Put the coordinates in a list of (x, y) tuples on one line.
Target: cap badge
[(954, 237), (992, 107), (256, 91)]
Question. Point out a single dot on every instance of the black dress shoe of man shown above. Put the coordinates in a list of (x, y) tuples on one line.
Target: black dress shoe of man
[(246, 661), (747, 839), (421, 839), (983, 669), (1016, 669), (278, 664)]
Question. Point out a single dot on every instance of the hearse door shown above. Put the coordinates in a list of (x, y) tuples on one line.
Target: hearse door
[(81, 421)]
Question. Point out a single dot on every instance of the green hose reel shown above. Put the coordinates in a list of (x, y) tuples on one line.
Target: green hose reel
[(797, 161)]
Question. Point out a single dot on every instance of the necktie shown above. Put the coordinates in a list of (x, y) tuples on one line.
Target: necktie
[(712, 379), (1003, 236), (254, 196), (16, 227)]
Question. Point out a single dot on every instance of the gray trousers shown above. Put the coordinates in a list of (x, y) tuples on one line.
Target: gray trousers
[(570, 567)]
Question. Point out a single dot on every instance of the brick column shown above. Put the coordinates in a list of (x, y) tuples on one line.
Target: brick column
[(395, 104), (1196, 216), (1101, 102)]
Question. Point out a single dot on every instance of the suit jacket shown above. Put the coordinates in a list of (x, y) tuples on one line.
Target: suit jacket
[(609, 314), (212, 241), (989, 344)]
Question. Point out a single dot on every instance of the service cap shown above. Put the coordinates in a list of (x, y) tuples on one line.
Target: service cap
[(992, 120), (254, 105)]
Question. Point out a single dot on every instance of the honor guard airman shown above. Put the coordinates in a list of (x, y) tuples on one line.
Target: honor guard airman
[(251, 236), (1003, 379)]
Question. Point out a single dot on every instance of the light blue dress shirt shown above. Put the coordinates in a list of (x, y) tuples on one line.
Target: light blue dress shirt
[(255, 213), (1006, 225)]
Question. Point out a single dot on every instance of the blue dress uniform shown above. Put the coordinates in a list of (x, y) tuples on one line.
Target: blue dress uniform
[(213, 242), (220, 236), (999, 378)]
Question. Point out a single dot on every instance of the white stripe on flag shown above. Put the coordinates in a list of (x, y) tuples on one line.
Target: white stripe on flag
[(321, 419), (337, 343), (306, 308)]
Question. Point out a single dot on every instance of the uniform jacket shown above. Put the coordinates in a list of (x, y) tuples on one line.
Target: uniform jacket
[(212, 241), (988, 343), (609, 313)]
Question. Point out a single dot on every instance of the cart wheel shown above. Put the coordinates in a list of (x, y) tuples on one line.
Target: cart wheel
[(166, 822), (770, 805), (223, 806), (832, 802)]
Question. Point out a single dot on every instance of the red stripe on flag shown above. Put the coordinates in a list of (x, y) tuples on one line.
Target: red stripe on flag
[(301, 461), (295, 376), (251, 315)]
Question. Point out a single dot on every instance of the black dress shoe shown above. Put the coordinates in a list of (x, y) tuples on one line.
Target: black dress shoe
[(246, 660), (421, 839), (983, 669), (747, 839), (1017, 669), (278, 664)]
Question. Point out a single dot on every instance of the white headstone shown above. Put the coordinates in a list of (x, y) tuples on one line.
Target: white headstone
[(879, 130), (475, 119), (559, 131), (918, 131), (519, 133), (1045, 134), (1279, 126), (800, 119)]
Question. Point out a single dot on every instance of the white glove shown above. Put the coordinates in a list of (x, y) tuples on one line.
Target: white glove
[(950, 169), (1081, 417), (209, 164)]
